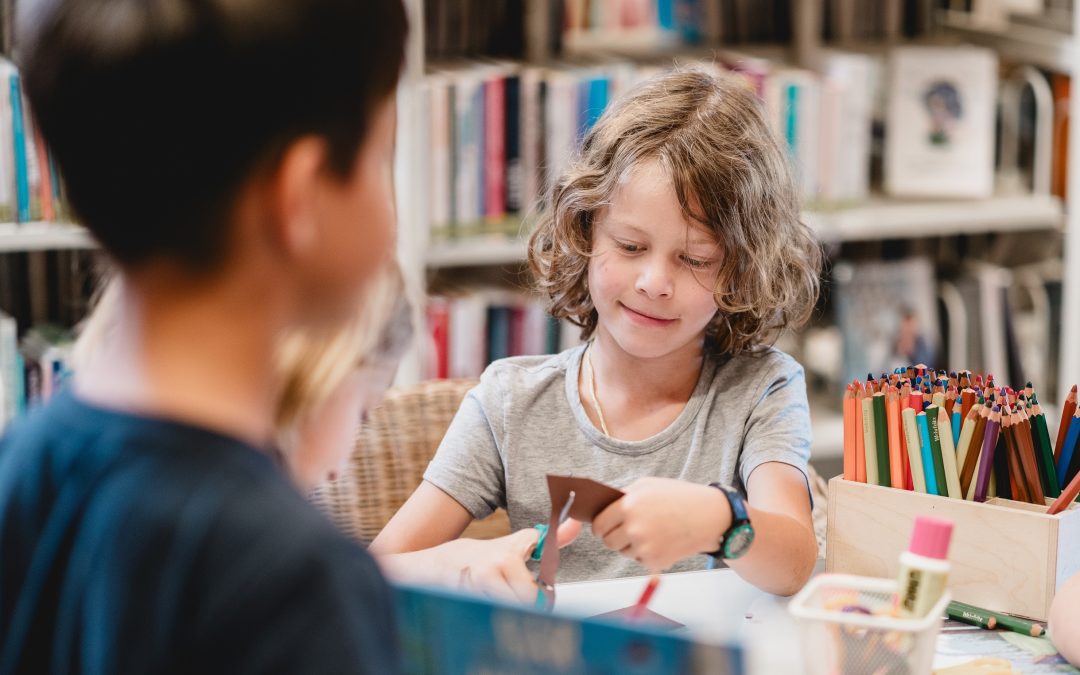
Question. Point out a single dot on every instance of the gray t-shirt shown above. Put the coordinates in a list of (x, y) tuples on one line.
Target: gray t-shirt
[(525, 420)]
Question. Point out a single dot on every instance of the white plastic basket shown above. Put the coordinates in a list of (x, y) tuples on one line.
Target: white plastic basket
[(848, 625)]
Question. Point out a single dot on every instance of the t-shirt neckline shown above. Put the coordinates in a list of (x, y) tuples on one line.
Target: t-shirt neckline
[(645, 445)]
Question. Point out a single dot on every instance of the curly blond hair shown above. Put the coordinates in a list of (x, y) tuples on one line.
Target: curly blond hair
[(729, 173)]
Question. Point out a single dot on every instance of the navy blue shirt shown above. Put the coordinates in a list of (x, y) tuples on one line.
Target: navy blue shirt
[(137, 545)]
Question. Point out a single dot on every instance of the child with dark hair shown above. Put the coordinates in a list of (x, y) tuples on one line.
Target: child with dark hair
[(234, 159)]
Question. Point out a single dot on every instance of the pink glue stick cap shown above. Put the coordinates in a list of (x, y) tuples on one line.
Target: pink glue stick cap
[(930, 537)]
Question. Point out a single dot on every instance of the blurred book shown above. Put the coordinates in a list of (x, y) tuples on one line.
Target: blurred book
[(887, 315), (940, 123), (471, 327)]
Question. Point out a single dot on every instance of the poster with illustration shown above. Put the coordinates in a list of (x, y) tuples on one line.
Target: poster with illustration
[(939, 133)]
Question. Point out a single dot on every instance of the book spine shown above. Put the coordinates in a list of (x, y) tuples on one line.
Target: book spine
[(22, 184)]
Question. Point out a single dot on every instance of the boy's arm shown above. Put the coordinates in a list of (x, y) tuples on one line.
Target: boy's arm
[(661, 521), (419, 548), (430, 517)]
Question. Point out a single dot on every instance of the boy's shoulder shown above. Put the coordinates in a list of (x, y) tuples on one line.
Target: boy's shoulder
[(527, 372), (768, 363)]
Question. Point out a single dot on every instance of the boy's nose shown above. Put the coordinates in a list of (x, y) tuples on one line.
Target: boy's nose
[(655, 279)]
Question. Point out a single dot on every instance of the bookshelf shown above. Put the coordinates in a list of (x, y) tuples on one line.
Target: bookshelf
[(42, 236), (875, 219), (880, 218)]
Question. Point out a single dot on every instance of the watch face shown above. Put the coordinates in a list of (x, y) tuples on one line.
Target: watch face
[(738, 541)]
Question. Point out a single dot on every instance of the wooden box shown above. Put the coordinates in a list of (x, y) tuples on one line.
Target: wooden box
[(1006, 556)]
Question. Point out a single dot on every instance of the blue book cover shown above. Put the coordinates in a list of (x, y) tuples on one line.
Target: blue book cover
[(665, 14), (498, 317), (22, 180), (592, 99), (446, 632)]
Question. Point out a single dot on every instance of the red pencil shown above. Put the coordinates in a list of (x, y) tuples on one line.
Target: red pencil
[(646, 595)]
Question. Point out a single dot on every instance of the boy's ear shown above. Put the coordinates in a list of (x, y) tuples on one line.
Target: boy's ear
[(295, 189)]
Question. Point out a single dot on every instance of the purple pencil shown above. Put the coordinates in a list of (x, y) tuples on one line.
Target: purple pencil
[(986, 459)]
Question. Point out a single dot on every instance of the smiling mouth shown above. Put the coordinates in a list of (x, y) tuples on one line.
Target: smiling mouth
[(648, 316)]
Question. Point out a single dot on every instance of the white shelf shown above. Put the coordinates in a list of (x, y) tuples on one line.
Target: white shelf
[(1044, 47), (880, 218), (43, 236), (900, 219), (477, 252)]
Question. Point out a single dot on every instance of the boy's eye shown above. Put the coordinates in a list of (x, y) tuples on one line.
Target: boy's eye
[(695, 263), (628, 247)]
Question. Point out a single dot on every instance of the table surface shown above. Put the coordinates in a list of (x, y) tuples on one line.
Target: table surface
[(719, 606)]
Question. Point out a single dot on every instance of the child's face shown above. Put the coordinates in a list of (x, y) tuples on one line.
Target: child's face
[(326, 435), (357, 220), (652, 273)]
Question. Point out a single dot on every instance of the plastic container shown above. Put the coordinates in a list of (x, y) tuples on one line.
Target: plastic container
[(850, 625)]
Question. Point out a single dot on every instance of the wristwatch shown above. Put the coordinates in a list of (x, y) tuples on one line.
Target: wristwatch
[(736, 541)]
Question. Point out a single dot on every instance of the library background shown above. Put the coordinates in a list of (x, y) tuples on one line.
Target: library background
[(929, 137)]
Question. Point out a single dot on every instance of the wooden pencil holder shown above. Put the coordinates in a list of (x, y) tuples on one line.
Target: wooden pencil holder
[(1006, 556)]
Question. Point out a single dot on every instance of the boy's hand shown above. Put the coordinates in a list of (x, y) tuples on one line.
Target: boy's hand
[(496, 567), (660, 521)]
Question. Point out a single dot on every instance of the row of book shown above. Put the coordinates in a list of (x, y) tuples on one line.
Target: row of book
[(467, 330), (498, 132), (32, 369), (502, 28), (999, 320), (30, 188)]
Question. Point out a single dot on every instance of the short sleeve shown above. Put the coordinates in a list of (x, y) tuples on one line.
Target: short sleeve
[(468, 465), (778, 427)]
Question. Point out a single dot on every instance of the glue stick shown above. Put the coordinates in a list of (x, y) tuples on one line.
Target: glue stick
[(924, 567)]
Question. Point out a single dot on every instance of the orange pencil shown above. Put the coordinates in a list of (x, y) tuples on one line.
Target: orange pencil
[(1027, 458), (850, 469), (892, 416), (967, 401), (1016, 477), (1066, 415), (909, 482), (1067, 497), (860, 445)]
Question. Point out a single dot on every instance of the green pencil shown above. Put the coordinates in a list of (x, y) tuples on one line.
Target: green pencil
[(881, 433), (935, 449), (985, 618)]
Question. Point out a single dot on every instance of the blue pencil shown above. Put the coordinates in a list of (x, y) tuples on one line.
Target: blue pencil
[(957, 420), (927, 454), (1067, 451)]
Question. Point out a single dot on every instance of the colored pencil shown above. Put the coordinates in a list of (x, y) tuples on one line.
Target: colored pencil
[(932, 416), (986, 459), (1067, 412), (646, 595), (892, 413), (849, 434), (983, 617), (1067, 449), (1067, 496), (1027, 458), (881, 439), (927, 452), (964, 457), (948, 455), (870, 440), (911, 437), (1048, 472), (860, 452)]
